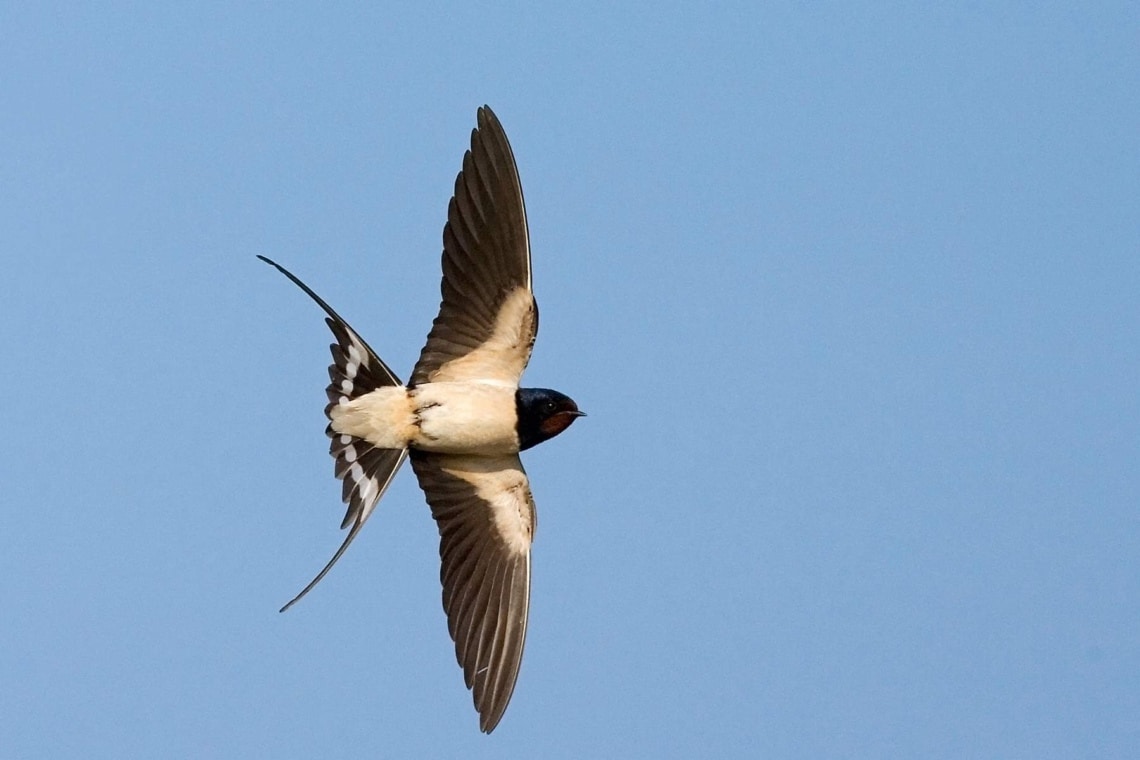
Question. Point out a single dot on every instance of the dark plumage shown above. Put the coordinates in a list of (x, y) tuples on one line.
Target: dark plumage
[(543, 414)]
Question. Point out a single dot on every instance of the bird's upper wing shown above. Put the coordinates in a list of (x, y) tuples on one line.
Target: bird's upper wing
[(488, 318), (486, 518), (365, 469)]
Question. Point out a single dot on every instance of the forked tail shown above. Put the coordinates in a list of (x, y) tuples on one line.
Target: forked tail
[(365, 470)]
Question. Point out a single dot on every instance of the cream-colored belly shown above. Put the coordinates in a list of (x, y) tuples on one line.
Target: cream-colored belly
[(450, 418)]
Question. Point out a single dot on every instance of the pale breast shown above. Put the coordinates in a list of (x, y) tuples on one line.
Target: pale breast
[(465, 418)]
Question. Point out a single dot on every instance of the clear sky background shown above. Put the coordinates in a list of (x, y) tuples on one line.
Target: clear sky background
[(850, 293)]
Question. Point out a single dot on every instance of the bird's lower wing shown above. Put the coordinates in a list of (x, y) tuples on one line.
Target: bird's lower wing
[(486, 519)]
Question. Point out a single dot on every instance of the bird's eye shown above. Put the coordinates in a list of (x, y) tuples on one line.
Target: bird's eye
[(549, 407)]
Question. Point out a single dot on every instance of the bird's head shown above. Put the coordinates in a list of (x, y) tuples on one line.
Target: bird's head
[(543, 414)]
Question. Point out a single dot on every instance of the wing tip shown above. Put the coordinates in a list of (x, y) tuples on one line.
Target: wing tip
[(485, 116), (487, 122)]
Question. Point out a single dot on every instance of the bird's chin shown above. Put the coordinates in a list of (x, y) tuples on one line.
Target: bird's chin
[(556, 423)]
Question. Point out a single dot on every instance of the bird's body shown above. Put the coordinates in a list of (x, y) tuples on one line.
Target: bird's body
[(462, 420), (447, 418)]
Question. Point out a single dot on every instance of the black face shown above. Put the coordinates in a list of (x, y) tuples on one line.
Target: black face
[(542, 414)]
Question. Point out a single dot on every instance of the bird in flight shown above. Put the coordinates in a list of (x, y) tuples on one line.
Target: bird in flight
[(462, 419)]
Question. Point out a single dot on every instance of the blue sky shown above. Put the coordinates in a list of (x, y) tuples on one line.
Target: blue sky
[(848, 291)]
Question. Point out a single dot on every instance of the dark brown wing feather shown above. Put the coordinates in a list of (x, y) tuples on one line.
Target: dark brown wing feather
[(486, 519), (486, 263)]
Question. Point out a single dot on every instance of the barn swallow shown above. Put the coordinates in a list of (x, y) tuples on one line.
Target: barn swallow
[(462, 419)]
